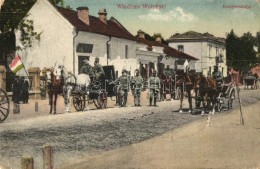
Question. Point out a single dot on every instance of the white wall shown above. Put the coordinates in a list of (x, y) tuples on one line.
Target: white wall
[(117, 51), (56, 39), (201, 51)]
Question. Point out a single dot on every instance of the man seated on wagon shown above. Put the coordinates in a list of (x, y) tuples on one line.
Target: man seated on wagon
[(217, 75), (98, 69), (86, 68)]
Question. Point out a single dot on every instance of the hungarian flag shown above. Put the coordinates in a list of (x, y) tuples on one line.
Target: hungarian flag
[(16, 64)]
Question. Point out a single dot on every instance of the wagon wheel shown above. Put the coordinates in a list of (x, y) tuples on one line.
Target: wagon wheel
[(101, 102), (197, 100), (78, 102), (231, 98), (220, 103), (4, 105)]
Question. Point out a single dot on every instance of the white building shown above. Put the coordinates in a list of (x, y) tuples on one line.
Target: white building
[(67, 37), (204, 47)]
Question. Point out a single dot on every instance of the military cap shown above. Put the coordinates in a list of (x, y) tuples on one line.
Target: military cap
[(96, 59)]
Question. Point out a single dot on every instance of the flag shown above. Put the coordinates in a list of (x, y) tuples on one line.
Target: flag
[(16, 64)]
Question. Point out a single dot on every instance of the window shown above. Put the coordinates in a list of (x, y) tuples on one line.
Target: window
[(84, 48), (209, 50), (180, 48), (80, 61), (126, 51)]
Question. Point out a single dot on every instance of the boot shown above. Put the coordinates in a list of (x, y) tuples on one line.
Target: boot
[(151, 99), (155, 102), (138, 99), (135, 101)]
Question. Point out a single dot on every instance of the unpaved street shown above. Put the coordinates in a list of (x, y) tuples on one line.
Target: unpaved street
[(75, 135)]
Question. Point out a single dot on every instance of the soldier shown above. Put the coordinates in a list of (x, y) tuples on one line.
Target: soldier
[(125, 82), (154, 85), (137, 87), (98, 70), (25, 90), (86, 68), (168, 71), (217, 75)]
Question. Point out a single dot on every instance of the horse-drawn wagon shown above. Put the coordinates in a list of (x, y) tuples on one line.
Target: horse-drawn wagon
[(250, 80), (98, 91)]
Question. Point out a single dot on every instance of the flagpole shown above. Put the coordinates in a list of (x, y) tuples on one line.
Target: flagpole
[(26, 72)]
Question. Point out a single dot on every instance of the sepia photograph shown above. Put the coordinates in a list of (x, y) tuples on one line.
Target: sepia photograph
[(129, 84)]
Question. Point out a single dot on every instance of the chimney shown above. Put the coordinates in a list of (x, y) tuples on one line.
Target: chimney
[(140, 34), (103, 15), (83, 14), (158, 37)]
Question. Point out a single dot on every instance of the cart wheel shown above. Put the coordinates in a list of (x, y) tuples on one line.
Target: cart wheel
[(78, 102), (102, 99), (4, 105), (231, 98)]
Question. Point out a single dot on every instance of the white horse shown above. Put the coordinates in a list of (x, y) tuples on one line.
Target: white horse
[(74, 84)]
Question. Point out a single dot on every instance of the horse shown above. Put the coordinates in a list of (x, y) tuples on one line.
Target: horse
[(209, 90), (77, 85), (185, 82), (54, 87)]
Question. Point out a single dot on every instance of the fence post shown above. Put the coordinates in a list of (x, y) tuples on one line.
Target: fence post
[(16, 109), (27, 163), (36, 107), (47, 157)]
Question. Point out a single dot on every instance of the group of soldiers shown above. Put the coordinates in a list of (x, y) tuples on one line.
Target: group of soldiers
[(136, 85)]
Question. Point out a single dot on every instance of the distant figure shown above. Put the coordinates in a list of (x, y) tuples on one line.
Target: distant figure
[(25, 90), (137, 87), (217, 75), (154, 85), (168, 71), (16, 90)]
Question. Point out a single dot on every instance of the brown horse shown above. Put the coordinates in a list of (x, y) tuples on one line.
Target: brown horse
[(186, 82), (208, 91), (54, 87)]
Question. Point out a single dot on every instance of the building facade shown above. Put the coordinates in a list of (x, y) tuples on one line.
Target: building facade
[(205, 47)]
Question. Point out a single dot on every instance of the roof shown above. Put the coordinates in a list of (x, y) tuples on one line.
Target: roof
[(169, 51), (195, 36), (112, 28)]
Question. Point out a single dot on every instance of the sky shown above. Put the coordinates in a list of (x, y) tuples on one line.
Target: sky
[(168, 17)]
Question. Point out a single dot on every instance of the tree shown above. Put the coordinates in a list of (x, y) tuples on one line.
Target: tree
[(240, 51)]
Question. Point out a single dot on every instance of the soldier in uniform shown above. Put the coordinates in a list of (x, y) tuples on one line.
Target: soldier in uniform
[(168, 71), (125, 82), (86, 68), (98, 70), (137, 82), (154, 85), (217, 75)]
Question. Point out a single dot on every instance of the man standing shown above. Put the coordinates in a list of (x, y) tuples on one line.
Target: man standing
[(25, 90), (154, 85), (98, 70), (16, 90), (137, 87), (125, 84), (86, 68), (217, 75)]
